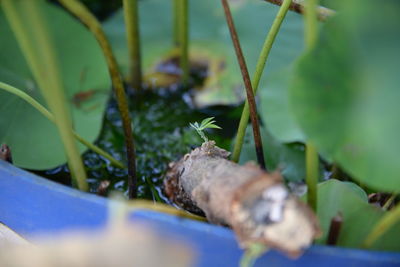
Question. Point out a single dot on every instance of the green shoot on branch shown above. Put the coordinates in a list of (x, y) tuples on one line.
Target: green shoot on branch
[(205, 124), (252, 253)]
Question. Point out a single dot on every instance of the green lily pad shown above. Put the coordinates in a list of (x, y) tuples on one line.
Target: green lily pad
[(209, 36), (34, 141), (345, 92), (359, 216), (275, 109)]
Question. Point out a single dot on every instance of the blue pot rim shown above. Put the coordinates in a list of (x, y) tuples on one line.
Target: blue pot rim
[(31, 205)]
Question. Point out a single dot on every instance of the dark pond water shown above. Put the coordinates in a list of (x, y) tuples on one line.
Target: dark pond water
[(162, 134)]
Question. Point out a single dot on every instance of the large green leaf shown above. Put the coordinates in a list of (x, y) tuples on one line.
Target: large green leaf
[(34, 140), (275, 109), (358, 216), (345, 94), (288, 158), (210, 40)]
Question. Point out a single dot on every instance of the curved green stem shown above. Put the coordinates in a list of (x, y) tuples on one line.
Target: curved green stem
[(175, 15), (131, 15), (252, 253), (262, 59), (297, 6), (80, 11), (21, 94), (311, 24), (390, 201), (388, 220), (32, 33), (311, 35), (312, 173), (183, 27)]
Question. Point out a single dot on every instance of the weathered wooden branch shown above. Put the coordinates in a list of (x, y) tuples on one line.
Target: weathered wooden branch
[(254, 203), (297, 6)]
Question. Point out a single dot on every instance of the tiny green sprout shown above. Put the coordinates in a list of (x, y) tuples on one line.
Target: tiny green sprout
[(205, 124)]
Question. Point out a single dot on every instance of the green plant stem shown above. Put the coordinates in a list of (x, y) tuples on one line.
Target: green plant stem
[(312, 175), (388, 220), (262, 59), (80, 11), (247, 83), (389, 202), (131, 16), (33, 36), (311, 24), (21, 94), (183, 27), (312, 161), (297, 6), (252, 253), (175, 15)]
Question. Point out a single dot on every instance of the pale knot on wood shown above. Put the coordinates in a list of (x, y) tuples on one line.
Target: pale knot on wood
[(209, 149)]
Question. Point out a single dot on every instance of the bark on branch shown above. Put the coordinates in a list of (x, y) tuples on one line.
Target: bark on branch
[(297, 6), (254, 203)]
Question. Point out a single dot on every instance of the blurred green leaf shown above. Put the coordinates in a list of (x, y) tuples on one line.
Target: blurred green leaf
[(210, 42), (34, 140), (358, 215), (289, 158), (345, 92), (275, 109)]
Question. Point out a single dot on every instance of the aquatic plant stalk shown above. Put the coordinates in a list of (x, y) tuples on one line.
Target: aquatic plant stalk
[(175, 18), (298, 6), (390, 201), (255, 251), (32, 33), (80, 11), (262, 59), (383, 225), (131, 15), (312, 161), (183, 27), (247, 83), (21, 94), (311, 24), (312, 173)]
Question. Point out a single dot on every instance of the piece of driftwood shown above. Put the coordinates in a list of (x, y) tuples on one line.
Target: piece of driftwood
[(120, 245), (254, 203)]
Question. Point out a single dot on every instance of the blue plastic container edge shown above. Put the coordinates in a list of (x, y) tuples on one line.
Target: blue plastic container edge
[(30, 204)]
